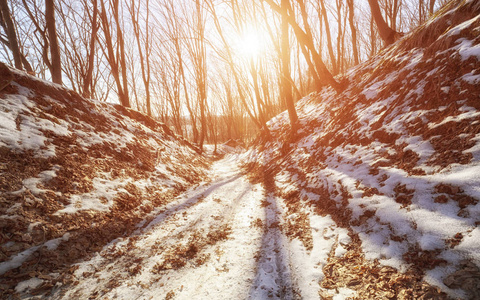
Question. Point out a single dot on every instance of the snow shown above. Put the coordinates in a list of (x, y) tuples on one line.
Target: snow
[(469, 113), (471, 78), (415, 57), (431, 242), (254, 262), (28, 284), (28, 137), (466, 49), (423, 148), (344, 294), (348, 167), (433, 277), (17, 260), (99, 199), (230, 235), (233, 257), (21, 257), (465, 176), (470, 245), (372, 91), (459, 28), (53, 244)]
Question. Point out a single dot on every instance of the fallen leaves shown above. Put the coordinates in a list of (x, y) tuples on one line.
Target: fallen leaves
[(467, 277), (456, 194), (371, 280), (94, 141), (403, 195), (180, 255), (422, 260)]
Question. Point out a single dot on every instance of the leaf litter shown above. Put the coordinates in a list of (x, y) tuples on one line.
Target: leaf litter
[(99, 201)]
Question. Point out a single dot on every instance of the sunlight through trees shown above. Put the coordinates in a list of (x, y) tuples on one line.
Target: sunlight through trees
[(212, 70)]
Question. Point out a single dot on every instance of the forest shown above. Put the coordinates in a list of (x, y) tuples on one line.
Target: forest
[(234, 149), (213, 70)]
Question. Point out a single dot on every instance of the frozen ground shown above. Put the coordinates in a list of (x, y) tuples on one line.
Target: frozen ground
[(219, 240), (376, 198)]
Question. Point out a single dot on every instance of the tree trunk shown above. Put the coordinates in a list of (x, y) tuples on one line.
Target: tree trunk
[(87, 83), (185, 91), (431, 6), (340, 27), (121, 54), (420, 12), (11, 34), (307, 41), (353, 30), (260, 103), (387, 34), (200, 65), (373, 38), (329, 37), (393, 17), (56, 66), (285, 77), (115, 62)]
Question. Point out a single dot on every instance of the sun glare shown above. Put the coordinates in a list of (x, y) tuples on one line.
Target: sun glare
[(250, 43)]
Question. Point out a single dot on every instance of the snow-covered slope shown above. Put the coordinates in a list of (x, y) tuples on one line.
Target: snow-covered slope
[(395, 159), (376, 198), (76, 174)]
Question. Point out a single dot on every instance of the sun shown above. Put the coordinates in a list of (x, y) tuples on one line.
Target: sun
[(251, 43)]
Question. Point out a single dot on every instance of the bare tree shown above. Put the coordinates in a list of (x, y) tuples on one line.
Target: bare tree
[(169, 79), (353, 30), (185, 52), (56, 65), (328, 36), (285, 77), (173, 30), (40, 44), (7, 24), (143, 40), (78, 38), (42, 37), (233, 69), (373, 38), (387, 34), (340, 35), (431, 5), (307, 41), (88, 85), (197, 50), (421, 12), (116, 53)]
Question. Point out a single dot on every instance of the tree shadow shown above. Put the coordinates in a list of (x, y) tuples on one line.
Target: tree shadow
[(85, 244), (272, 273), (376, 211), (189, 202)]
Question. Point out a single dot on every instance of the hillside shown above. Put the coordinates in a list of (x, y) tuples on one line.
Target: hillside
[(376, 196), (394, 160), (76, 174)]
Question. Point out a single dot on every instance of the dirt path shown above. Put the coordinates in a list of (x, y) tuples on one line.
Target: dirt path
[(220, 240), (243, 235)]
